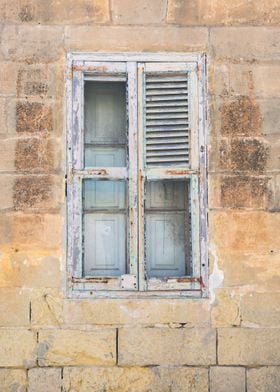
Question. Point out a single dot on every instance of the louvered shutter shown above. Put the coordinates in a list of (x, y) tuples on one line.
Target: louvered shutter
[(169, 161), (166, 115)]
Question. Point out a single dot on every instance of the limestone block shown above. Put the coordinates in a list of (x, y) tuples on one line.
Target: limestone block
[(47, 308), (241, 79), (40, 81), (255, 81), (142, 12), (7, 117), (243, 192), (247, 43), (270, 115), (230, 379), (214, 123), (265, 379), (3, 117), (13, 380), (14, 307), (244, 231), (32, 44), (260, 309), (249, 155), (273, 199), (273, 159), (138, 379), (260, 271), (37, 154), (218, 79), (215, 12), (38, 192), (145, 311), (41, 231), (34, 117), (8, 72), (266, 79), (7, 153), (29, 270), (44, 380), (7, 191), (17, 348), (63, 347), (133, 38), (240, 117), (164, 346), (32, 82), (55, 12), (248, 346), (226, 310)]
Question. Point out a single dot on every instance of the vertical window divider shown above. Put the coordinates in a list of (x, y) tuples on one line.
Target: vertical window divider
[(132, 169), (77, 164), (141, 179)]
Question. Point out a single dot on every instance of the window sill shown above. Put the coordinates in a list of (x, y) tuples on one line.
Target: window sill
[(83, 291)]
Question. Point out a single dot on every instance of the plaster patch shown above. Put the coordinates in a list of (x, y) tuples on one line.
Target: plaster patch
[(217, 276)]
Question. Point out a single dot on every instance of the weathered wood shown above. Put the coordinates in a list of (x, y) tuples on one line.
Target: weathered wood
[(137, 57), (141, 179), (172, 102), (133, 168)]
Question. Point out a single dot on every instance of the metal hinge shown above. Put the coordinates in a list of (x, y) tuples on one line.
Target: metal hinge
[(128, 282)]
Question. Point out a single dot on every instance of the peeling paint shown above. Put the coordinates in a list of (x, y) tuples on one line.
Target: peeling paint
[(217, 276)]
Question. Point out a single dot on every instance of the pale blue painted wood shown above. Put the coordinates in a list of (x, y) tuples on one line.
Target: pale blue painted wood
[(104, 156), (104, 244), (166, 234), (107, 195), (165, 244)]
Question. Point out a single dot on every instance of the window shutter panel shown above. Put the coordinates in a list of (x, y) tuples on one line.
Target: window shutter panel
[(166, 118)]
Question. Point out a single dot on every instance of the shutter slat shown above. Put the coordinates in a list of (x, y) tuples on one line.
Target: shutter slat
[(161, 116), (169, 91), (167, 97), (182, 140), (162, 153), (166, 110), (167, 119), (166, 122), (165, 134), (165, 105), (169, 146), (178, 128), (170, 159), (166, 78), (165, 85)]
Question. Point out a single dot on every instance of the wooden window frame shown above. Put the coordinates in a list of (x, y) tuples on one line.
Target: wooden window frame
[(81, 66)]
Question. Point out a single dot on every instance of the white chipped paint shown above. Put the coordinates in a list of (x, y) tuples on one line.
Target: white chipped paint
[(217, 276)]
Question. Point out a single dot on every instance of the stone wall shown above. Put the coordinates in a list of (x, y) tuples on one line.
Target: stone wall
[(230, 343)]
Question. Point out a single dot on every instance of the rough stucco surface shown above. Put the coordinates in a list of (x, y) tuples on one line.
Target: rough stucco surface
[(49, 343)]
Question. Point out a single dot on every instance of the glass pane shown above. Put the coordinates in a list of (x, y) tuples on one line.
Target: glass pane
[(105, 123), (104, 194), (104, 156), (167, 229), (105, 112), (166, 194), (104, 227)]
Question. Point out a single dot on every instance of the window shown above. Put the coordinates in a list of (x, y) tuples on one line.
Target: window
[(136, 175)]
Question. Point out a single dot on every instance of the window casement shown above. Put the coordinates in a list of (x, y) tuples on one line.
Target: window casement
[(136, 175)]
